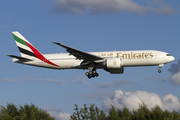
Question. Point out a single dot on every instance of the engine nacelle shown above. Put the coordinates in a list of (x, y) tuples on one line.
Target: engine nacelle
[(113, 63), (116, 71)]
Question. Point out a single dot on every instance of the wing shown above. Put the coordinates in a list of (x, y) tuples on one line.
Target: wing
[(80, 54)]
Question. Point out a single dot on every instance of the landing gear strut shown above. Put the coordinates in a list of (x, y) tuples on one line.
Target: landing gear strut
[(91, 73), (160, 66)]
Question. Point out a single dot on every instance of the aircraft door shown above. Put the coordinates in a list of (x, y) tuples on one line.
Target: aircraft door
[(156, 55)]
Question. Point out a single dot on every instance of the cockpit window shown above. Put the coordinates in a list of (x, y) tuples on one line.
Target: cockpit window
[(168, 54)]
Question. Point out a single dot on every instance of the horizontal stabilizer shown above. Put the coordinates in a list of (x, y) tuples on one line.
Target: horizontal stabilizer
[(20, 58)]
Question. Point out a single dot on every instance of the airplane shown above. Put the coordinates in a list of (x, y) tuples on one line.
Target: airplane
[(112, 61)]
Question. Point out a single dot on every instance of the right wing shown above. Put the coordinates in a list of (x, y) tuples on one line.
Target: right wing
[(80, 54)]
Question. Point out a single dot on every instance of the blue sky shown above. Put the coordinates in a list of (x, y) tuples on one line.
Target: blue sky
[(90, 26)]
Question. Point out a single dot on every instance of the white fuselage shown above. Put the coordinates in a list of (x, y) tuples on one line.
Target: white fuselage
[(128, 59)]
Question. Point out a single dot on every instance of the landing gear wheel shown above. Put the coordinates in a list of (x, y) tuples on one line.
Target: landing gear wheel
[(96, 74), (91, 74), (86, 73), (159, 71)]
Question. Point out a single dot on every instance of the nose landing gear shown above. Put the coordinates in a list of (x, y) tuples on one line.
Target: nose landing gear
[(91, 73), (160, 66)]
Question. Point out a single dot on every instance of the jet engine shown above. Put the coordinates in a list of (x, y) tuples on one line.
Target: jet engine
[(113, 66), (113, 63)]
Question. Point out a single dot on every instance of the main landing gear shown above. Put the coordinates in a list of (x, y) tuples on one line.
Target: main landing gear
[(91, 73), (160, 66)]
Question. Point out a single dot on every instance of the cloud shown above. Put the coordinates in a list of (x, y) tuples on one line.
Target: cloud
[(63, 116), (175, 71), (75, 79), (48, 80), (57, 113), (116, 83), (52, 111), (175, 68), (157, 78), (175, 78), (109, 6), (171, 102), (78, 79), (14, 80), (99, 95), (133, 99), (9, 80), (15, 25), (28, 79)]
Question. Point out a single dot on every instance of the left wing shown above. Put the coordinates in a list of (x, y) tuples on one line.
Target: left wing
[(81, 54)]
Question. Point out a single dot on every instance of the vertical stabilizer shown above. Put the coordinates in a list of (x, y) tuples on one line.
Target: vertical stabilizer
[(23, 45), (27, 50)]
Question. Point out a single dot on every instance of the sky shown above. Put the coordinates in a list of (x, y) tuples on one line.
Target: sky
[(90, 26)]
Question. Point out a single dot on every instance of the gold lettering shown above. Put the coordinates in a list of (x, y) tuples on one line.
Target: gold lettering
[(118, 55), (122, 56), (131, 55), (135, 55), (142, 55), (139, 56), (146, 55), (111, 54), (103, 55), (127, 56), (151, 55)]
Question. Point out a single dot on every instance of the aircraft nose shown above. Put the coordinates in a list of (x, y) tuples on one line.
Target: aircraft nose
[(171, 59)]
